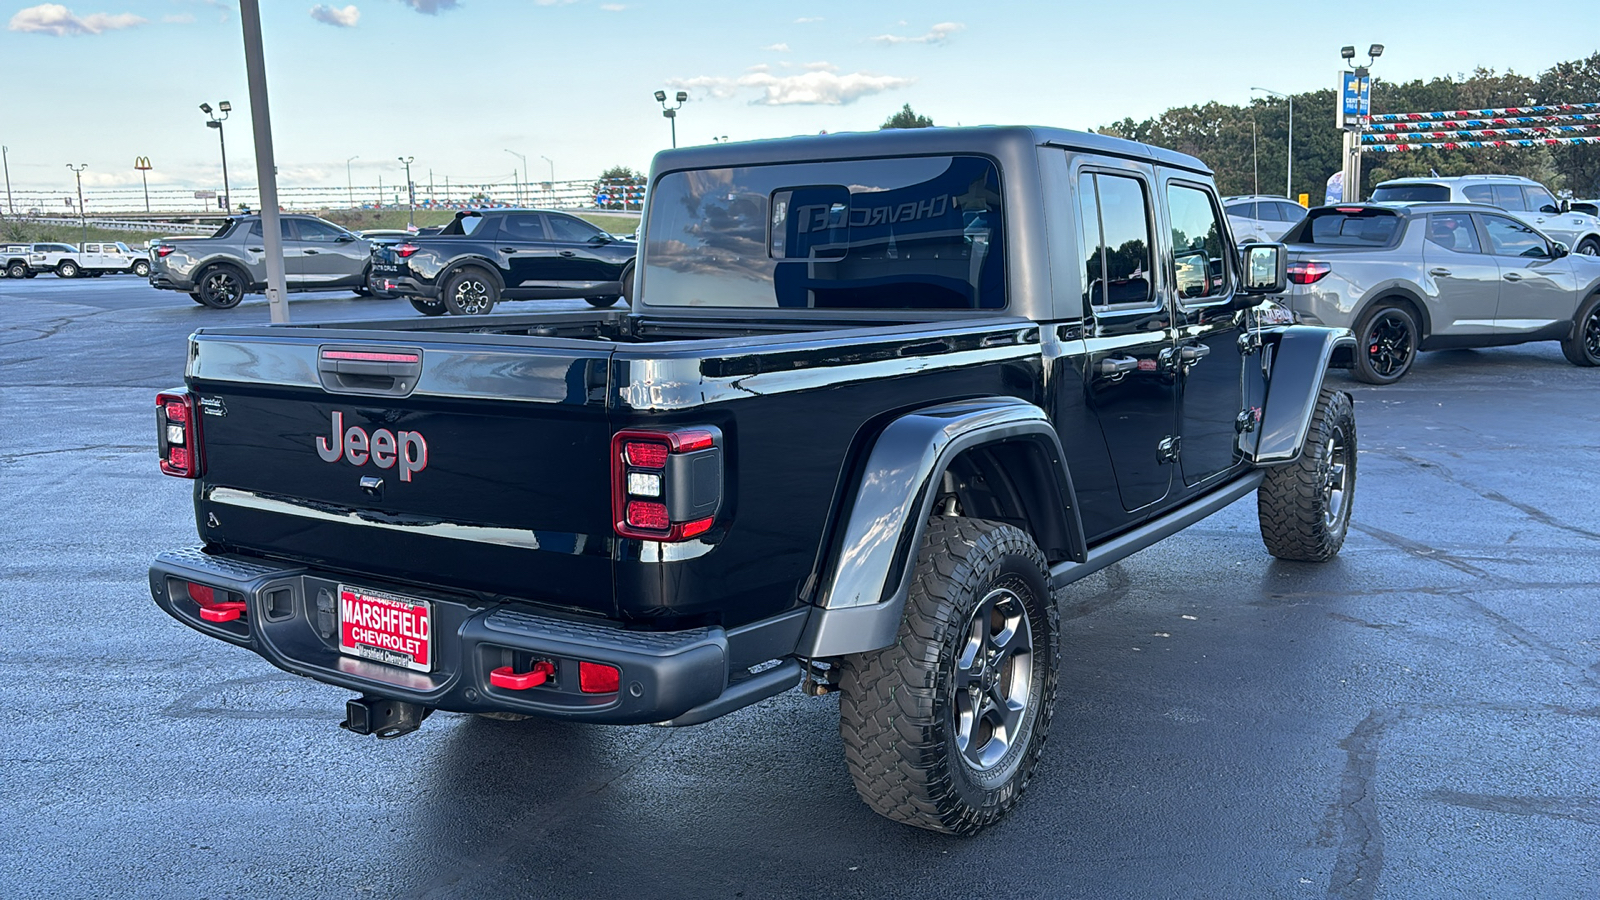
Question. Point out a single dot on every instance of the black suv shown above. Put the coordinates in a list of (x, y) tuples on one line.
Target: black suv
[(513, 254)]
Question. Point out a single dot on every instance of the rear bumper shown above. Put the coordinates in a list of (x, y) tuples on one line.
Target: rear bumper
[(290, 620), (166, 281), (401, 286)]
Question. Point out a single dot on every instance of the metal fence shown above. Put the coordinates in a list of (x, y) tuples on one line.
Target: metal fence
[(445, 194)]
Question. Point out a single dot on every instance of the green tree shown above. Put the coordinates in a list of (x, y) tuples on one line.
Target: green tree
[(906, 118)]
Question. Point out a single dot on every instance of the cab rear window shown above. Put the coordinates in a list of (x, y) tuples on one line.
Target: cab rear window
[(1411, 193), (1350, 227)]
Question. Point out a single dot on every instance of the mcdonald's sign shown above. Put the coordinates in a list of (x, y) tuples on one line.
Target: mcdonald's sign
[(142, 163)]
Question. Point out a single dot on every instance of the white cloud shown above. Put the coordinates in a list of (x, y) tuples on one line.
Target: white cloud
[(53, 18), (777, 48), (431, 7), (333, 15), (807, 20), (820, 67), (716, 86), (818, 88), (938, 34), (759, 67)]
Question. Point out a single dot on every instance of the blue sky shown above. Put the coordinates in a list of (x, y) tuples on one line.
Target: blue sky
[(455, 83)]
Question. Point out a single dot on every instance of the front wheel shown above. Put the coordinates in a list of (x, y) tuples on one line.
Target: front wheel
[(1589, 246), (428, 307), (943, 728), (221, 288), (470, 292), (627, 283), (1387, 336), (141, 269), (1304, 507), (1582, 346), (68, 269)]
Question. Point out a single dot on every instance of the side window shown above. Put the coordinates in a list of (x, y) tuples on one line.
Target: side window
[(1508, 237), (316, 230), (1291, 212), (283, 229), (1540, 200), (1479, 193), (570, 230), (1454, 231), (1268, 212), (522, 227), (1508, 196), (1199, 258), (1122, 276)]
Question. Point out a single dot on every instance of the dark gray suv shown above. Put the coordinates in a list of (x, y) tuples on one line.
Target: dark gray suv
[(219, 270)]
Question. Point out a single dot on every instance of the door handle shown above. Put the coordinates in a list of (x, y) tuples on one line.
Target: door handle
[(568, 253), (1513, 276), (1189, 353), (256, 249), (508, 249), (1440, 272), (311, 252), (1112, 366)]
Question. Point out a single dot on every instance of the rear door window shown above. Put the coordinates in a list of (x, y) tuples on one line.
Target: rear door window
[(522, 227), (1509, 196), (1114, 240), (1454, 231)]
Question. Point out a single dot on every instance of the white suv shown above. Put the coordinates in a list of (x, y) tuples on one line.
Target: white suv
[(1523, 198), (1261, 217)]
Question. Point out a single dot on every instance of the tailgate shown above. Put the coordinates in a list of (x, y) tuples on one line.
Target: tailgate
[(425, 459)]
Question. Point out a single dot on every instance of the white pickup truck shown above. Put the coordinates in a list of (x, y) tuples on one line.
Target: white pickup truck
[(94, 259)]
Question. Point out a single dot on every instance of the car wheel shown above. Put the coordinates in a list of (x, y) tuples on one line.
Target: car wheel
[(428, 307), (1582, 347), (141, 269), (195, 296), (1386, 344), (221, 287), (470, 292), (627, 283), (17, 270), (1589, 246), (68, 269), (943, 728), (1304, 507)]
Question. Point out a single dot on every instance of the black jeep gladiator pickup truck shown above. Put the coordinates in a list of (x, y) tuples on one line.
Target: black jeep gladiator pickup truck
[(485, 256), (875, 398)]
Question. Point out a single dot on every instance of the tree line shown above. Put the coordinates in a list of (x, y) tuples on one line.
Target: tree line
[(1221, 134)]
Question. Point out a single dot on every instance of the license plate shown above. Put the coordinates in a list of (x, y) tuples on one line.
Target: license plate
[(386, 628)]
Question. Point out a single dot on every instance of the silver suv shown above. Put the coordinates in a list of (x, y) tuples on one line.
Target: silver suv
[(1262, 218), (219, 270), (1526, 200)]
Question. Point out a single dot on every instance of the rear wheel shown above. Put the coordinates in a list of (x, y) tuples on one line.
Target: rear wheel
[(195, 296), (1304, 507), (221, 287), (1386, 344), (141, 268), (1582, 346), (428, 307), (470, 292), (68, 269), (17, 270), (627, 282), (943, 728)]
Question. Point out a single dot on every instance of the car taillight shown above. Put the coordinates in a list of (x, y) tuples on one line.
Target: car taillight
[(164, 251), (178, 434), (1308, 272), (598, 678), (405, 250), (666, 485)]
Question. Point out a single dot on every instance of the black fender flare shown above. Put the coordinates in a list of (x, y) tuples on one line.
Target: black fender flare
[(867, 579), (1299, 363)]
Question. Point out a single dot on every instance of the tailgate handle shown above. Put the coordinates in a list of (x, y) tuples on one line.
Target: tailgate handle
[(369, 370), (504, 677)]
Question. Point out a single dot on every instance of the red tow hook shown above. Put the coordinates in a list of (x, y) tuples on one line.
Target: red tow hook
[(222, 612), (520, 681)]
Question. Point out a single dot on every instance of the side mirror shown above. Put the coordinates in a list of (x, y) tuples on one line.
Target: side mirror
[(1265, 269), (599, 239), (1559, 250), (1549, 210), (344, 239)]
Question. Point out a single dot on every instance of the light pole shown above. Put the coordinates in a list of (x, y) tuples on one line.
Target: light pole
[(671, 112), (5, 157), (411, 192), (83, 224), (142, 163), (1288, 179), (520, 200), (216, 122), (349, 185), (1352, 134)]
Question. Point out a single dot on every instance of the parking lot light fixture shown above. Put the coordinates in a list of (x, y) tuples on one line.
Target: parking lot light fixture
[(215, 121), (349, 185), (1348, 52), (1288, 178), (83, 224), (521, 201), (411, 192), (671, 112), (1375, 51)]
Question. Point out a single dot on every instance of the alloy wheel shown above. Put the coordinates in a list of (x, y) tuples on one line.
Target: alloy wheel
[(993, 679), (222, 287), (1335, 471), (1389, 343), (472, 295), (1591, 333)]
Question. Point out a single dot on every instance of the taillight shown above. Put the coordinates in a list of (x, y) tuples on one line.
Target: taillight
[(178, 434), (164, 250), (666, 485), (598, 678), (1308, 272), (405, 250)]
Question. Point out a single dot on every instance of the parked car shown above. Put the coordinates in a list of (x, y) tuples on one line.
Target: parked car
[(1261, 217), (485, 256), (1526, 200), (1430, 276), (98, 258), (14, 260), (218, 271), (53, 257), (878, 397)]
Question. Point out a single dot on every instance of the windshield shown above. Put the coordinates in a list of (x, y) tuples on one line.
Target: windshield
[(1345, 228), (1411, 193), (911, 233)]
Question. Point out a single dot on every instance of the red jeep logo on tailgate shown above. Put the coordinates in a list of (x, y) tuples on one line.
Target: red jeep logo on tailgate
[(385, 448)]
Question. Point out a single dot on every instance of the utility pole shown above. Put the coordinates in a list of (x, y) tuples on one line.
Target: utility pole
[(411, 192), (142, 163), (521, 201), (82, 222), (255, 67), (5, 157)]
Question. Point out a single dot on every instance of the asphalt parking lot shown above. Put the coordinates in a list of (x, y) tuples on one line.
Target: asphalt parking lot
[(1418, 718)]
